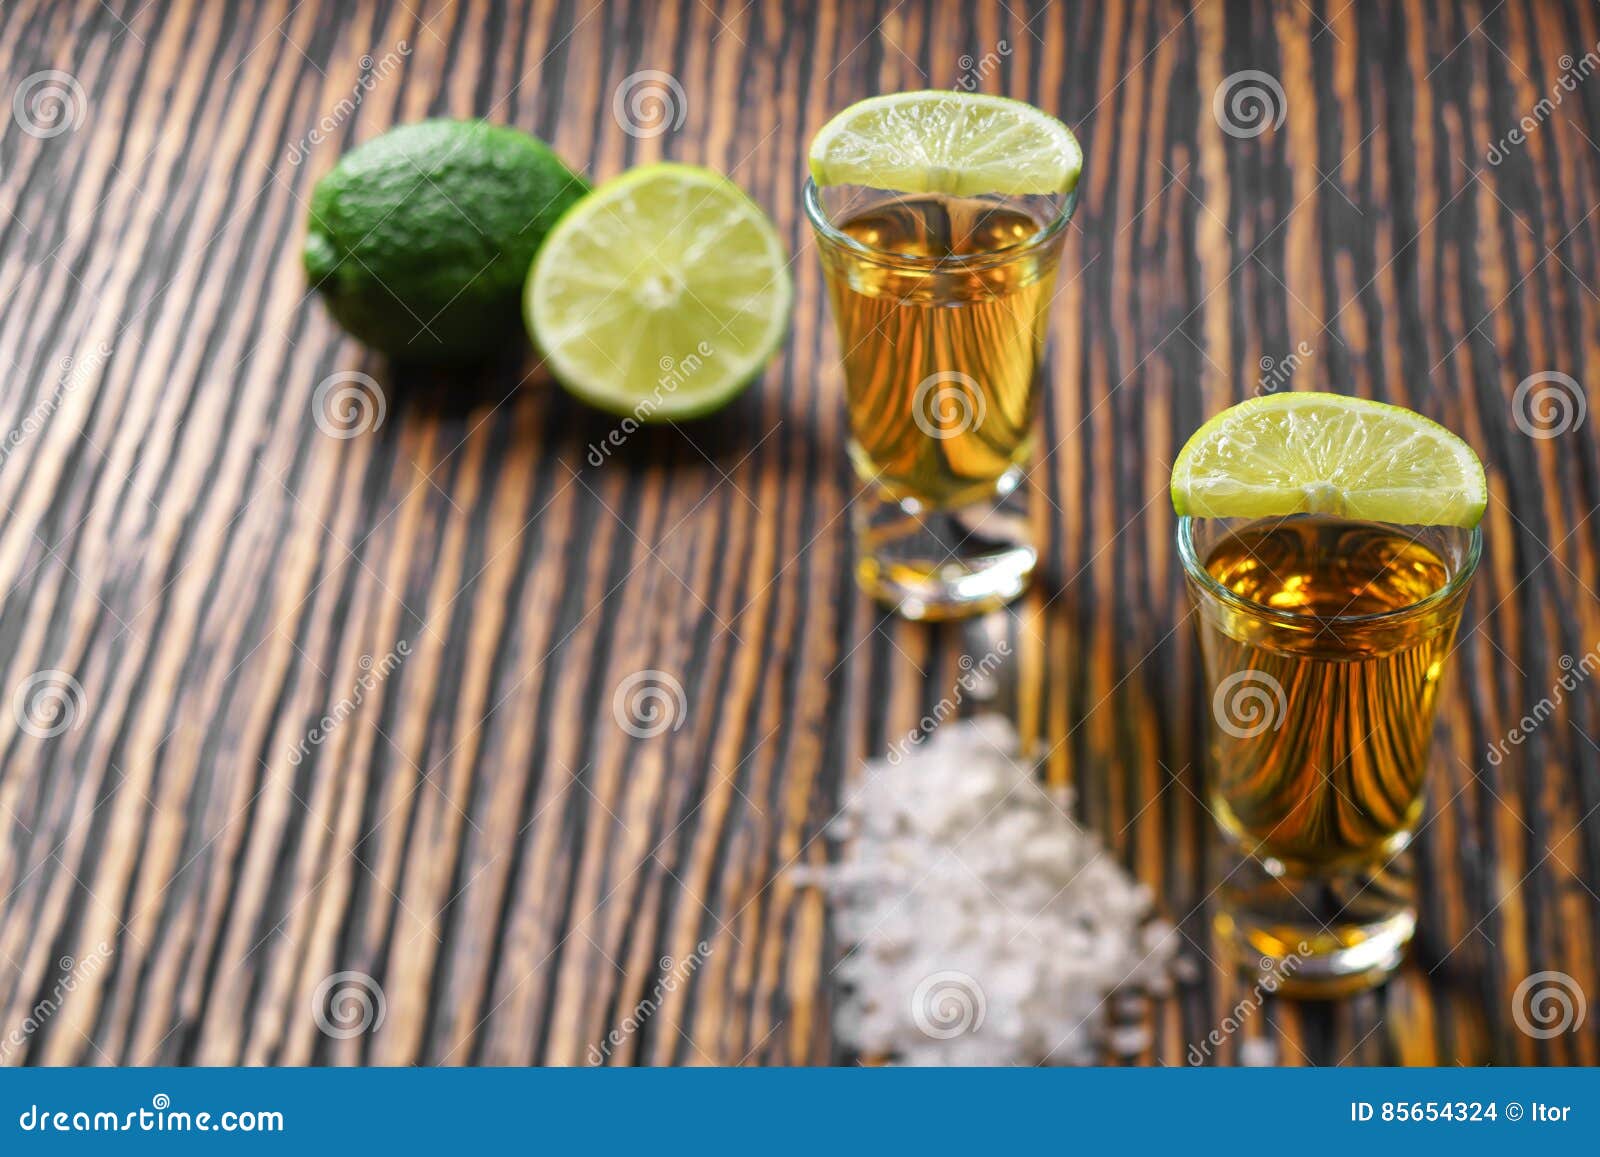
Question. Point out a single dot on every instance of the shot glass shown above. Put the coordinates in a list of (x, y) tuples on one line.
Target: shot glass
[(1324, 642), (941, 305)]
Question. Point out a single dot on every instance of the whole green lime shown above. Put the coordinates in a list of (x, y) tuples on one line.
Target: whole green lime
[(421, 239)]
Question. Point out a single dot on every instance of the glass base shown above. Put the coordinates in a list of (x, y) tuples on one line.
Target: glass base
[(1326, 935), (948, 563)]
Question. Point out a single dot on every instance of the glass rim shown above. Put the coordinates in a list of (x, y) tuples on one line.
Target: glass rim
[(1045, 236), (1194, 569)]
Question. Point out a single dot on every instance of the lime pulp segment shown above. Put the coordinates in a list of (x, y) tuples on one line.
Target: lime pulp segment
[(1299, 453), (942, 141), (660, 295)]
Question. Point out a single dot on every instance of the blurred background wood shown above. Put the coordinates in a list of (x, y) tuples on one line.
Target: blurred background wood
[(511, 867)]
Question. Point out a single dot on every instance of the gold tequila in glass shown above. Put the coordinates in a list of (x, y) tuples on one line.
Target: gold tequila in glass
[(941, 305), (1324, 641)]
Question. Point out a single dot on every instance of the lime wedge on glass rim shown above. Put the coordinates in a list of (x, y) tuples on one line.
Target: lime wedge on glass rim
[(1307, 453), (660, 295), (961, 144)]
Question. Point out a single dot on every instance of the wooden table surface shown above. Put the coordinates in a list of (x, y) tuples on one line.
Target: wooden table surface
[(196, 574)]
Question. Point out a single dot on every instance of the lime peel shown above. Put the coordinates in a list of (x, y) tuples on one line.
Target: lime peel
[(420, 239)]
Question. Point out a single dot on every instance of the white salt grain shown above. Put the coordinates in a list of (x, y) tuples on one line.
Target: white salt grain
[(983, 926), (1258, 1053)]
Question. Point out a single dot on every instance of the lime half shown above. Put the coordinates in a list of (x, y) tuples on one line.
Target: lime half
[(938, 141), (1303, 453), (660, 295)]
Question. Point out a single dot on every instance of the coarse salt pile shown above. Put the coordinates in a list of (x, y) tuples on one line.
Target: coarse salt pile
[(984, 927)]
